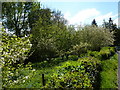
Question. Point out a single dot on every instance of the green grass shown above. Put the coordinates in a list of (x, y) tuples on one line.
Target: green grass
[(109, 72)]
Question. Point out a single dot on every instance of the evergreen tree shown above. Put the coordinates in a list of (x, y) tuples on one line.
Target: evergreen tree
[(94, 22)]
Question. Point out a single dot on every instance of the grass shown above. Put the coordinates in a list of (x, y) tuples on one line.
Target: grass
[(109, 72)]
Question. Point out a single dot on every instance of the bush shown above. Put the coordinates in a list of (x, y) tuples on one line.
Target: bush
[(13, 53), (103, 54), (75, 74), (80, 48), (72, 57)]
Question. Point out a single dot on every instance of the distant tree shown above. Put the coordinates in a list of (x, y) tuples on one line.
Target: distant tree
[(109, 25), (113, 28), (94, 22)]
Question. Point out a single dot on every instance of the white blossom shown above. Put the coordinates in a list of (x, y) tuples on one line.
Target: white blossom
[(27, 77), (33, 69)]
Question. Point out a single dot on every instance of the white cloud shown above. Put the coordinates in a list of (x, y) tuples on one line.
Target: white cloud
[(86, 16), (67, 15), (81, 16), (116, 21), (105, 17)]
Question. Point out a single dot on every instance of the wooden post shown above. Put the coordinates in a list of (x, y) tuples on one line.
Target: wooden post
[(43, 80)]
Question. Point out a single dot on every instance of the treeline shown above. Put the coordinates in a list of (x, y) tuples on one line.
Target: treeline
[(49, 33)]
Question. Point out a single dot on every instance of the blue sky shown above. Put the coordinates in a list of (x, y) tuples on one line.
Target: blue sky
[(82, 13)]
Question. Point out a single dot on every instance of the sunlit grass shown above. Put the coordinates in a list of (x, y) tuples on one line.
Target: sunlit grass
[(109, 73)]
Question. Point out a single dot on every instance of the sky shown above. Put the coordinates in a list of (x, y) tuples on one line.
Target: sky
[(83, 12)]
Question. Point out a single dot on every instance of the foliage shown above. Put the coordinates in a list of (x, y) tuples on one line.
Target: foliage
[(80, 48), (72, 57), (43, 15), (50, 39), (97, 37), (60, 73), (109, 25), (14, 51), (75, 74), (43, 42), (15, 16), (117, 37), (113, 28), (103, 54), (54, 42)]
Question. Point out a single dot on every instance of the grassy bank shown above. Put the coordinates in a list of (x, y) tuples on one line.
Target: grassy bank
[(109, 72)]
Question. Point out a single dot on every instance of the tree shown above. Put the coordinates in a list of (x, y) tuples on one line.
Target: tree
[(15, 16), (96, 37), (58, 19), (94, 22), (109, 25), (49, 34), (44, 15), (113, 28)]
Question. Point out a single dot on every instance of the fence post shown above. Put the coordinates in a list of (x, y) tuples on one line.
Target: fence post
[(43, 80)]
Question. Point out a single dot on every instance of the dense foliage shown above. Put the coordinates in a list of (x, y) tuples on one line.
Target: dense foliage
[(68, 57), (14, 51), (75, 74), (97, 37), (103, 54)]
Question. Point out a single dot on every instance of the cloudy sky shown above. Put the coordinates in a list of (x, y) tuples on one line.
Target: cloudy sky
[(82, 13)]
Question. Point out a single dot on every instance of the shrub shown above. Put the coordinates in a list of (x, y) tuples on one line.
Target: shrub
[(75, 74), (93, 53), (103, 54), (72, 57), (80, 48), (13, 51)]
